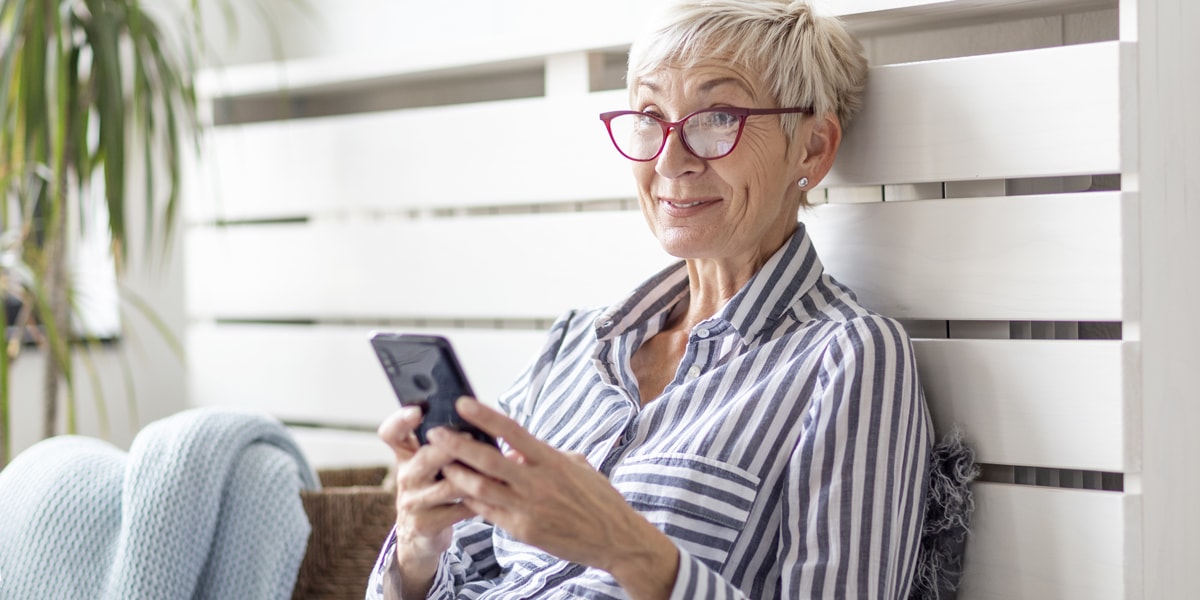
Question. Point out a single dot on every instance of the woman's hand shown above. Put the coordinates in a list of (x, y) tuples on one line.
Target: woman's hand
[(557, 502), (426, 508)]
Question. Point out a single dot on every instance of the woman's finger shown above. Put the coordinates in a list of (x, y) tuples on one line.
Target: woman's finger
[(441, 493), (421, 469), (500, 425), (480, 457), (397, 431), (479, 491)]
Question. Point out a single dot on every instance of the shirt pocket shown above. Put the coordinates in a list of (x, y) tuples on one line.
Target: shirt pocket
[(699, 502)]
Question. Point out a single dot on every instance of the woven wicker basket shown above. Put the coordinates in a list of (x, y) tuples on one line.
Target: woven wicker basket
[(351, 517)]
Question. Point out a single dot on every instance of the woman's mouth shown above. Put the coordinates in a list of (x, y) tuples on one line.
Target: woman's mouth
[(679, 207)]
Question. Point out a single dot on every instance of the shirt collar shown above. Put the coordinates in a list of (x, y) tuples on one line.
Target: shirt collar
[(781, 282)]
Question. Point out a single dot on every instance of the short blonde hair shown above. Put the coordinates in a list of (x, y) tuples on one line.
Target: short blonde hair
[(803, 59)]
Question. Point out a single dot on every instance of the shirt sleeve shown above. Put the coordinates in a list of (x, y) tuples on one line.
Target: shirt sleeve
[(471, 558), (522, 396), (856, 478)]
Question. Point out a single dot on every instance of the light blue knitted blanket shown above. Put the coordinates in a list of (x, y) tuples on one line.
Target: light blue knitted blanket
[(206, 504)]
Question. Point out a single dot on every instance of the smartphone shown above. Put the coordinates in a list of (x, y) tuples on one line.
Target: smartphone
[(424, 371)]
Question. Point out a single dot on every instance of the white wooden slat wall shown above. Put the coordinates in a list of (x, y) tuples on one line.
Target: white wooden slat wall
[(1045, 112), (1015, 258), (1017, 412), (384, 161), (1049, 543), (307, 233), (443, 268)]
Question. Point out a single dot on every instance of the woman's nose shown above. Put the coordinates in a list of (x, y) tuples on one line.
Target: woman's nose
[(675, 160)]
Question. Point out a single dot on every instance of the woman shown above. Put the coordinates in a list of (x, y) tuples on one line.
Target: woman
[(739, 426)]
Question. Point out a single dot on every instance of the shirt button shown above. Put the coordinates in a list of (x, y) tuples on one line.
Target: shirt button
[(693, 372), (702, 332)]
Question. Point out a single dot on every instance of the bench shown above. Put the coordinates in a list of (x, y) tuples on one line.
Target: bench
[(987, 196)]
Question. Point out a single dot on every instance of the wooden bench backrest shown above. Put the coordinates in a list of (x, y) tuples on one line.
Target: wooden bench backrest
[(978, 198)]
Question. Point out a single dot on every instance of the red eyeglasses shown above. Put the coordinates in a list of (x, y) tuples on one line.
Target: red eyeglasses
[(708, 134)]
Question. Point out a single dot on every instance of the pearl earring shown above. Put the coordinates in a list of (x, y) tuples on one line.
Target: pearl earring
[(803, 182)]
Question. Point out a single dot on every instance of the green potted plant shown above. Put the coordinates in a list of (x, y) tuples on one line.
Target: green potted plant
[(86, 88)]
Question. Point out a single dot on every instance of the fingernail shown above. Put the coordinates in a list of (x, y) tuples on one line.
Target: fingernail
[(436, 434), (466, 406)]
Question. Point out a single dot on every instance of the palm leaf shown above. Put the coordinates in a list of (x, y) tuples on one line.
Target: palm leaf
[(68, 112), (147, 311), (110, 105), (89, 364)]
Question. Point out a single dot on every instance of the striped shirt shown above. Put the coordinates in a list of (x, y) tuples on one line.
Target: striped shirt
[(787, 458)]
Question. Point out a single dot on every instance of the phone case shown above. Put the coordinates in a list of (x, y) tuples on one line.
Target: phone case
[(424, 371)]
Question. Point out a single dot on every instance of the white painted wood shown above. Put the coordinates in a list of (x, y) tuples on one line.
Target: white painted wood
[(1039, 258), (978, 117), (968, 38), (495, 153), (327, 448), (1050, 544), (928, 8), (294, 373), (1168, 289), (1011, 406), (916, 191), (448, 40), (1044, 403), (871, 16), (535, 266), (960, 119), (571, 74), (329, 374), (978, 259), (855, 195), (531, 29)]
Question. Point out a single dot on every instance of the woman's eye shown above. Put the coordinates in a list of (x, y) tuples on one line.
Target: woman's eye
[(722, 119)]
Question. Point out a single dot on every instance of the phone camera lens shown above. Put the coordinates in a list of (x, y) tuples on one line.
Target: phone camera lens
[(423, 382)]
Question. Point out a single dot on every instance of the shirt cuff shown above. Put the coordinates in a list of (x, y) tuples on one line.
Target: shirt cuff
[(696, 580), (443, 587), (443, 580)]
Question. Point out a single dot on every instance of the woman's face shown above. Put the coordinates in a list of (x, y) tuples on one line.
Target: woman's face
[(737, 209)]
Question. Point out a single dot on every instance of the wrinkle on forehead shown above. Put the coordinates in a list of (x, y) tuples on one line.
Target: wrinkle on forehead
[(696, 79)]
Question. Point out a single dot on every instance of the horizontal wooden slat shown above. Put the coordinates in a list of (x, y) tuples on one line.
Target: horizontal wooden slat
[(1021, 258), (493, 267), (872, 16), (1035, 258), (611, 25), (1057, 404), (1041, 543), (1037, 113), (336, 449), (329, 375), (499, 153), (1031, 403), (959, 119)]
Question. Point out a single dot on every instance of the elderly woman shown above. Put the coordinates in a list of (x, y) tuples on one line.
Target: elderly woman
[(738, 426)]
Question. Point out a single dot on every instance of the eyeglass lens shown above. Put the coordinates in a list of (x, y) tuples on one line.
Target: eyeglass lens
[(708, 134)]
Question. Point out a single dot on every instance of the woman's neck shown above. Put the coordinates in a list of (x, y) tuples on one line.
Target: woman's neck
[(711, 285)]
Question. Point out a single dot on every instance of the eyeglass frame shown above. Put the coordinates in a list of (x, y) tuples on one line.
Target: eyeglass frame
[(677, 126)]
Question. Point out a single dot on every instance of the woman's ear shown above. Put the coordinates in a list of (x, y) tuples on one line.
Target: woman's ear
[(820, 137)]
